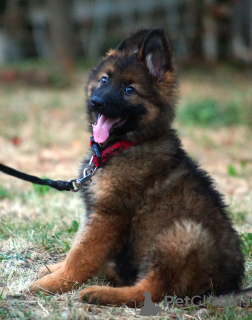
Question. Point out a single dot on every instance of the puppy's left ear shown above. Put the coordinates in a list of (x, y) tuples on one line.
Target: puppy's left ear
[(156, 53), (134, 41)]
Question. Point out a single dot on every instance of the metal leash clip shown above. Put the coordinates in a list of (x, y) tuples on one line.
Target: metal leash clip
[(88, 172)]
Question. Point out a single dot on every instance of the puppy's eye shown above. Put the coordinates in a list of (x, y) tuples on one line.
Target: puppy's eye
[(103, 80), (130, 90)]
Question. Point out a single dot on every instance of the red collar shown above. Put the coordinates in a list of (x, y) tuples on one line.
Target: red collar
[(101, 157)]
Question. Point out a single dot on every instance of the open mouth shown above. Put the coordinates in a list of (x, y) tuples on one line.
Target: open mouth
[(104, 125)]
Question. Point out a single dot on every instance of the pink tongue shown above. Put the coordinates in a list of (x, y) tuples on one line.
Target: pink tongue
[(102, 127)]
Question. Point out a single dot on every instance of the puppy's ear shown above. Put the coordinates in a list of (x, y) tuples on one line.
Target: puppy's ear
[(134, 41), (156, 53)]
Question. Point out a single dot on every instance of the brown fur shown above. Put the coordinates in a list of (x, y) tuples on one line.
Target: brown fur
[(155, 222)]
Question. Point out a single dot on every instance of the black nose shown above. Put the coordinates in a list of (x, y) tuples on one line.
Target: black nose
[(97, 102)]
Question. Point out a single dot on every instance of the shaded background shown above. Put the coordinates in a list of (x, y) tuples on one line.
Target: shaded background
[(62, 31)]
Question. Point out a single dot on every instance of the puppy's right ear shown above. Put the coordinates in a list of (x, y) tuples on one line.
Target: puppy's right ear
[(156, 53), (134, 41)]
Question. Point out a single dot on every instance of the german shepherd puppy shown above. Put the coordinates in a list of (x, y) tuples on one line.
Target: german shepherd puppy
[(155, 222)]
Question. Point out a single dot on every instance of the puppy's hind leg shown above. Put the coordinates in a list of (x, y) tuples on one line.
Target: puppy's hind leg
[(152, 283)]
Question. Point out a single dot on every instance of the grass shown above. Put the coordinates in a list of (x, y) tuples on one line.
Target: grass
[(213, 113), (4, 193), (210, 113), (246, 240), (221, 98), (43, 132)]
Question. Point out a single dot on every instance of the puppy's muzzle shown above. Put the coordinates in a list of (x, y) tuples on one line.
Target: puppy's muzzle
[(97, 103)]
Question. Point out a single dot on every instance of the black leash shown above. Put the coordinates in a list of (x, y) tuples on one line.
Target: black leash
[(72, 185), (59, 184)]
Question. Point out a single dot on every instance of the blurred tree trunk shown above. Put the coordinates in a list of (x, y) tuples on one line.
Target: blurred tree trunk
[(243, 13), (197, 40), (12, 25), (224, 14), (61, 33)]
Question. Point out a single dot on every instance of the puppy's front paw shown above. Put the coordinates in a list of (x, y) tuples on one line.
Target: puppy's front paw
[(53, 283), (41, 286)]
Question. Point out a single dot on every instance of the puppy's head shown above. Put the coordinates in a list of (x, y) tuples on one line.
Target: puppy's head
[(132, 91)]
